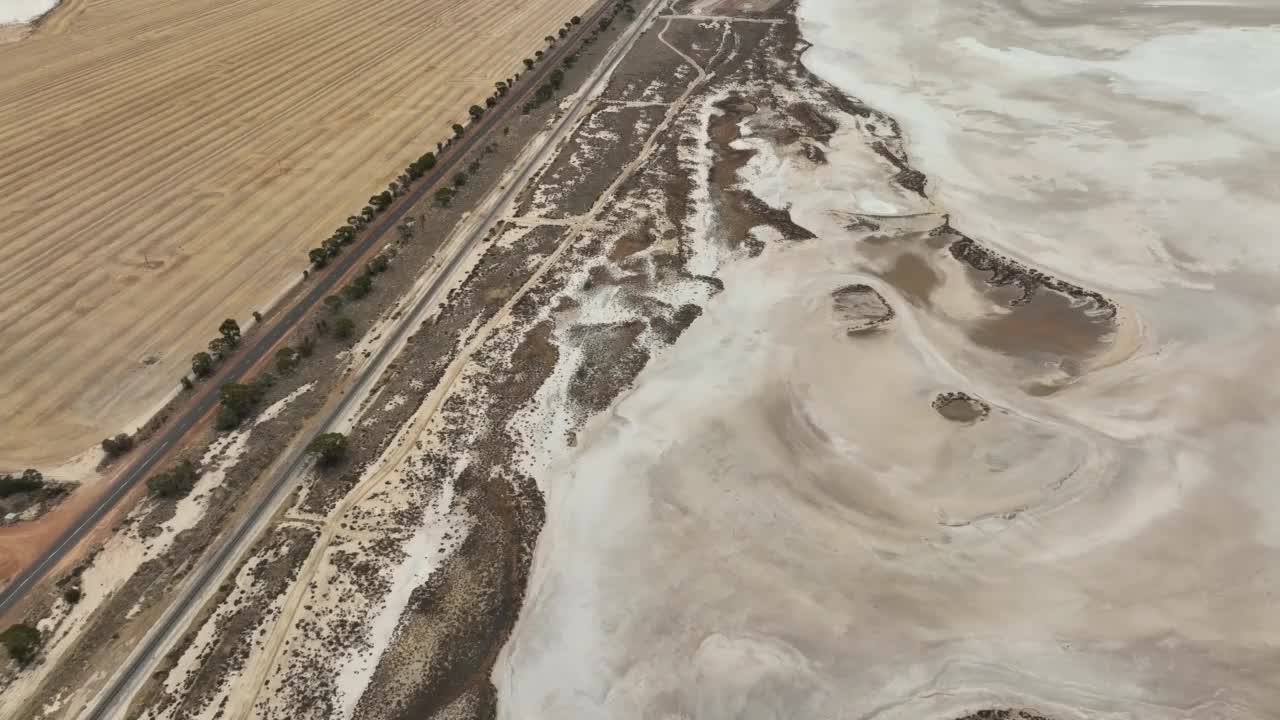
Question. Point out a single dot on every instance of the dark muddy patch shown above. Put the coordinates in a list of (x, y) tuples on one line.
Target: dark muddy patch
[(1049, 323), (862, 308), (912, 275), (1046, 316), (961, 407)]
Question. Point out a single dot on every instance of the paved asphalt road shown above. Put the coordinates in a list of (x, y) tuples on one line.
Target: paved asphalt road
[(322, 285), (122, 685)]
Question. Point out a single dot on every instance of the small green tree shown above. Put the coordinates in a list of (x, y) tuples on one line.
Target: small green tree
[(460, 179), (202, 364), (176, 482), (240, 399), (443, 196), (458, 130), (528, 63), (230, 329), (118, 445), (226, 419), (575, 20), (26, 482), (22, 642), (358, 288), (333, 303), (378, 265), (343, 328), (318, 257), (328, 448), (220, 347), (261, 385), (287, 360)]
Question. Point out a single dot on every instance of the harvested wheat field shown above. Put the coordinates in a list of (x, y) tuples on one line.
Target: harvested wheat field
[(168, 164)]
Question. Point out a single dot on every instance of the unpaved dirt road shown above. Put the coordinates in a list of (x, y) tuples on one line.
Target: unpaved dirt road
[(168, 165), (294, 463)]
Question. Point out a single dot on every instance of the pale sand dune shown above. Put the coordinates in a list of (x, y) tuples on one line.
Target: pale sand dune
[(776, 524), (168, 164)]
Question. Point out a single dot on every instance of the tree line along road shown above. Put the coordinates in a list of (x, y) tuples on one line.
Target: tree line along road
[(322, 285)]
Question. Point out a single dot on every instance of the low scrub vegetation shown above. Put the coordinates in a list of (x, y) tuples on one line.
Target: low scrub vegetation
[(328, 448), (344, 328), (174, 483), (28, 481), (116, 446), (241, 400), (22, 642)]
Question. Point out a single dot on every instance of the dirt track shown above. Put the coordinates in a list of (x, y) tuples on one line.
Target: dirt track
[(183, 157)]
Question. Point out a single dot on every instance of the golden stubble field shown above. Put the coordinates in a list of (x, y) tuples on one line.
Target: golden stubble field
[(167, 163)]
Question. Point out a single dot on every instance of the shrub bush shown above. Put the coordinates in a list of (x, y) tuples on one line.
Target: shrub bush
[(344, 328), (287, 360), (118, 445), (201, 364), (358, 288), (175, 483), (26, 482), (22, 642), (328, 448)]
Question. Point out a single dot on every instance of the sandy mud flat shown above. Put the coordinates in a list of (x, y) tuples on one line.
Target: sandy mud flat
[(994, 440)]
